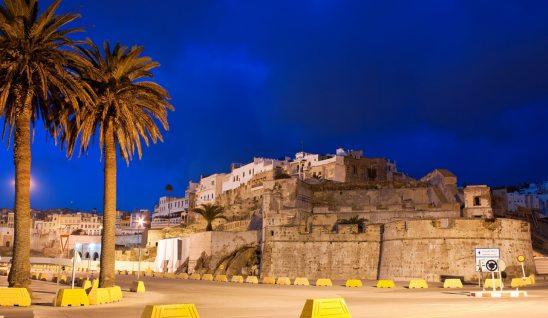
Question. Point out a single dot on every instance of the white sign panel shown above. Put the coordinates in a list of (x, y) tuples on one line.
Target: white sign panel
[(483, 255)]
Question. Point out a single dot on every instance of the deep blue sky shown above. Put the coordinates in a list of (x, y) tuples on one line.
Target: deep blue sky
[(455, 84)]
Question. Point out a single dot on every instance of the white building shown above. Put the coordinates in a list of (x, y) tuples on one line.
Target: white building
[(209, 188), (242, 174), (169, 211)]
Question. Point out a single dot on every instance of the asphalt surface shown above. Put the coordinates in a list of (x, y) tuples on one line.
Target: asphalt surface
[(230, 300)]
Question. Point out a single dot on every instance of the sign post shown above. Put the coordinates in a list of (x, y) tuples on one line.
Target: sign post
[(521, 260), (75, 259), (487, 261)]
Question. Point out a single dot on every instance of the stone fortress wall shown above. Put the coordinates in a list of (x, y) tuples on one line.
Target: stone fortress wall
[(432, 248), (318, 251), (411, 231)]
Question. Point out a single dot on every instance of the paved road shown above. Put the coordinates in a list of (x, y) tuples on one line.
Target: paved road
[(227, 300)]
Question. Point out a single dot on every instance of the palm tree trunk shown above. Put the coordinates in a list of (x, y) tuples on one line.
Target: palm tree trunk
[(19, 275), (108, 240)]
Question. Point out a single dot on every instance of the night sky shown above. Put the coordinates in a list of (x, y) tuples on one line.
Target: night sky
[(461, 85)]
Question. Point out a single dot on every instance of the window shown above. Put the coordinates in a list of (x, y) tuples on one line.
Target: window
[(477, 201), (371, 173)]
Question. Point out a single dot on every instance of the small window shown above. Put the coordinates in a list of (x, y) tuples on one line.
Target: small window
[(477, 201)]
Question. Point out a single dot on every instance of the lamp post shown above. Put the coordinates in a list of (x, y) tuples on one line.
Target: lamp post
[(140, 224)]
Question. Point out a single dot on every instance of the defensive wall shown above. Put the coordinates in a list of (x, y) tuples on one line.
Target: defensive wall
[(319, 252), (400, 250), (432, 248)]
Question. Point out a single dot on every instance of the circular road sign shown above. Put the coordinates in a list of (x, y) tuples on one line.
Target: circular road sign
[(521, 258), (491, 265)]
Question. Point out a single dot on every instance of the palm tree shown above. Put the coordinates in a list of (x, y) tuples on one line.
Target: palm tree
[(37, 81), (125, 114), (210, 212)]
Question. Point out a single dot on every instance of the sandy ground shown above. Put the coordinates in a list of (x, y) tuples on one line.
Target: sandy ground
[(228, 300)]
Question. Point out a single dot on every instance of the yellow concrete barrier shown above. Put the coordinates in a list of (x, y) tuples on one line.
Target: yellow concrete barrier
[(115, 293), (324, 282), (71, 298), (221, 278), (99, 296), (195, 276), (86, 284), (42, 276), (452, 283), (10, 297), (283, 281), (521, 282), (353, 283), (182, 276), (62, 279), (497, 283), (325, 308), (269, 280), (170, 311), (417, 283), (385, 283), (252, 280), (301, 281), (138, 287), (237, 279), (533, 279), (208, 277)]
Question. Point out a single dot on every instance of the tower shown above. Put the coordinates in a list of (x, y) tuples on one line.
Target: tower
[(477, 202)]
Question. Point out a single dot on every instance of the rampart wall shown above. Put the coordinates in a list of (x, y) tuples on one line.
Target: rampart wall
[(398, 250), (432, 248), (291, 251)]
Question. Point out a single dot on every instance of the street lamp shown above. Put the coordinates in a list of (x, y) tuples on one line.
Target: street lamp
[(140, 224)]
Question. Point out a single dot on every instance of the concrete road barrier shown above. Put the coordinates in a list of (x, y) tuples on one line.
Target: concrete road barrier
[(252, 280), (208, 277), (221, 278), (283, 281), (170, 311), (417, 283), (385, 283), (86, 284), (301, 281), (324, 282), (353, 283), (269, 280), (115, 293), (237, 279), (138, 287), (195, 276), (324, 308), (11, 297), (452, 283), (99, 296), (67, 297), (182, 276), (518, 282)]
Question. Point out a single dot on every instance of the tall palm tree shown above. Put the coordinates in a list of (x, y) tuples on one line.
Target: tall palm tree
[(125, 114), (210, 212), (37, 82)]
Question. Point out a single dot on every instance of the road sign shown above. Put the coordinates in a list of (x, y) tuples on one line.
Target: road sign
[(491, 265), (521, 258), (483, 255)]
